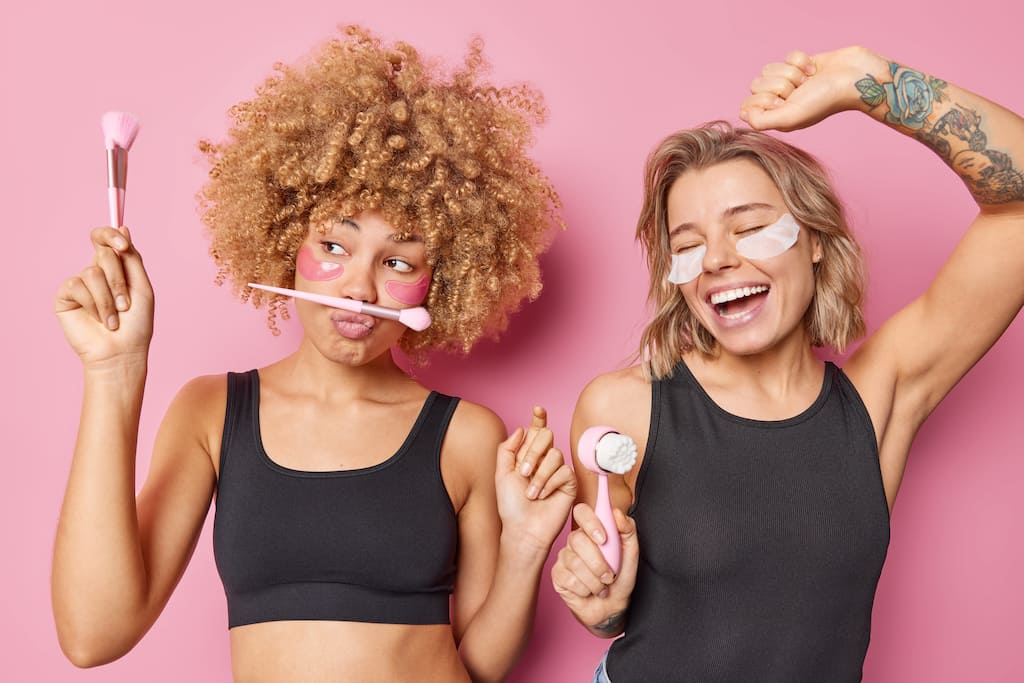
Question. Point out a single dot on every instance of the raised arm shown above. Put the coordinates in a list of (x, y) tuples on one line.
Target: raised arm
[(116, 560), (909, 365), (515, 507)]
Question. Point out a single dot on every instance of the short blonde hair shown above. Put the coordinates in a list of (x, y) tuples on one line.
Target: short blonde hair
[(834, 317), (363, 126)]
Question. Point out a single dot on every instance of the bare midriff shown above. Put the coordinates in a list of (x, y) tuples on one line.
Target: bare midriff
[(315, 651)]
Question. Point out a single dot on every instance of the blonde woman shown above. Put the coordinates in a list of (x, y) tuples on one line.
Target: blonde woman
[(755, 526)]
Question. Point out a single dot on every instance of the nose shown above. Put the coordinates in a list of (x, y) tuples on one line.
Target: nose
[(720, 255), (358, 282)]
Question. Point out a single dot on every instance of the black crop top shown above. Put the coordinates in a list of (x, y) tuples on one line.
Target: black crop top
[(374, 545)]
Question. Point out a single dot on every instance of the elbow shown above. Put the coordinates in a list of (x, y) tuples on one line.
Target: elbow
[(88, 648)]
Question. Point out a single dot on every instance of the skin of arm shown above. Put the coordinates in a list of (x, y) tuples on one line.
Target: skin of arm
[(501, 556), (117, 558), (915, 359), (597, 598)]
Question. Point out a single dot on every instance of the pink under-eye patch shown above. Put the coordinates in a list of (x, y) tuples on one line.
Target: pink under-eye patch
[(408, 293), (312, 268)]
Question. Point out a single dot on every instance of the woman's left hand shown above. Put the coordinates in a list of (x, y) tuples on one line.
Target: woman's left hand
[(535, 487), (805, 89)]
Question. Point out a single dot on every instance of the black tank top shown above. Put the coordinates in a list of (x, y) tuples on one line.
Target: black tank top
[(761, 542), (373, 545)]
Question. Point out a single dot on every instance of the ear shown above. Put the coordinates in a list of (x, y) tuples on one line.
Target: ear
[(817, 251)]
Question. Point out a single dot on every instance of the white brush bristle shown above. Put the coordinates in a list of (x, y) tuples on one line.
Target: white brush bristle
[(616, 453), (119, 129)]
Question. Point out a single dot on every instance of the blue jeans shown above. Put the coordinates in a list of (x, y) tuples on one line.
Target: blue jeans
[(601, 673)]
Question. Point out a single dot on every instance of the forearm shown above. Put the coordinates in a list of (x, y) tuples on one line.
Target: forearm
[(99, 579), (980, 140), (500, 629)]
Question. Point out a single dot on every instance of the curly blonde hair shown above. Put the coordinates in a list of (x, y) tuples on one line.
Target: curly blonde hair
[(834, 317), (366, 126)]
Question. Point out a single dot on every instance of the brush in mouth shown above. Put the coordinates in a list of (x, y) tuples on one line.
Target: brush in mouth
[(733, 303)]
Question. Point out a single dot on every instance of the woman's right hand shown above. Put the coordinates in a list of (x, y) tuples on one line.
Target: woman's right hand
[(597, 597), (106, 311)]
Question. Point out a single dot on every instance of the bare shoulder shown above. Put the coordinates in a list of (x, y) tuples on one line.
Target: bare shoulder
[(470, 449), (195, 418), (620, 399)]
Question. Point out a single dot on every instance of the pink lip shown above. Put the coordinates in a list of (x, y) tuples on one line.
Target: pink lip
[(352, 325), (740, 320)]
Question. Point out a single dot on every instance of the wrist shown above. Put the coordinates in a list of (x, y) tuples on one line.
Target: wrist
[(121, 370), (522, 550)]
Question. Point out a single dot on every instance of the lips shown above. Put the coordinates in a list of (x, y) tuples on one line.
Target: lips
[(352, 325), (737, 304)]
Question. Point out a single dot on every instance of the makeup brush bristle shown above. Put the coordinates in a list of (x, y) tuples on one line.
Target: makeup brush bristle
[(119, 129)]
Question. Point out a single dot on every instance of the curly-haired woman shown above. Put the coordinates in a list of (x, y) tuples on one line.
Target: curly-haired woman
[(762, 499), (364, 529)]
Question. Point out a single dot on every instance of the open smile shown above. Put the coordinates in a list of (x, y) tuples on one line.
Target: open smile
[(737, 305)]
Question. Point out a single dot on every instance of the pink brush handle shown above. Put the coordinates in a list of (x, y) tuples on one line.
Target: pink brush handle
[(115, 205), (587, 452), (612, 546), (416, 318)]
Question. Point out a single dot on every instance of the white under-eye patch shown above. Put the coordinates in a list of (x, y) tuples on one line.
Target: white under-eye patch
[(687, 266), (770, 240)]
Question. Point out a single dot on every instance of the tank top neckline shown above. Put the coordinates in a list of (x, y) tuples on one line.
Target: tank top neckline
[(410, 438), (804, 415)]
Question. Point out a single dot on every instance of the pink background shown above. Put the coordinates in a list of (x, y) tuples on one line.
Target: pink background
[(950, 603)]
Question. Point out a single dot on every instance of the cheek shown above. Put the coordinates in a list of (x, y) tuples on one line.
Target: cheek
[(313, 269), (409, 293)]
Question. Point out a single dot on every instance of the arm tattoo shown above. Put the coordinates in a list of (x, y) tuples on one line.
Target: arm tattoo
[(612, 624), (957, 136)]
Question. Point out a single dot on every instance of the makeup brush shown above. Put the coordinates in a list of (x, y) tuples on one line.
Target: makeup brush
[(603, 450), (414, 318), (119, 131)]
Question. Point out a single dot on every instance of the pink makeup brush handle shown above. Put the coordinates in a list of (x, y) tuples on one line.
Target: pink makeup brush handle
[(414, 318), (115, 205)]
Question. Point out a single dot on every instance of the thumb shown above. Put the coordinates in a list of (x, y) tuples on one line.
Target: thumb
[(507, 452), (778, 117)]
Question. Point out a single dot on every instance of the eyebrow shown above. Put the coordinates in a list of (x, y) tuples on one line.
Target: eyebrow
[(728, 213), (399, 237)]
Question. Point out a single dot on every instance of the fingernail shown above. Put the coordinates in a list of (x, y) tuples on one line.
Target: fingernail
[(606, 578), (121, 302), (778, 101), (120, 243), (112, 322), (744, 114), (525, 468), (599, 536), (603, 594), (810, 69), (531, 492)]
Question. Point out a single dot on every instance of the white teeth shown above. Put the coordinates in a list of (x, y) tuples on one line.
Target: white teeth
[(738, 293)]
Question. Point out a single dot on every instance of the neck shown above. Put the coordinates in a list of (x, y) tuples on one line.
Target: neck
[(377, 379), (780, 370)]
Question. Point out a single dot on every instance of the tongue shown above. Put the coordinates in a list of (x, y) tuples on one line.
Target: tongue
[(742, 305)]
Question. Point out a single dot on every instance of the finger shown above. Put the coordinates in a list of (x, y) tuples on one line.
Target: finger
[(562, 481), (540, 418), (135, 269), (802, 61), (534, 451), (73, 294), (587, 520), (776, 85), (552, 475), (111, 238), (110, 263), (507, 452), (566, 581), (791, 73), (96, 282), (589, 565)]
